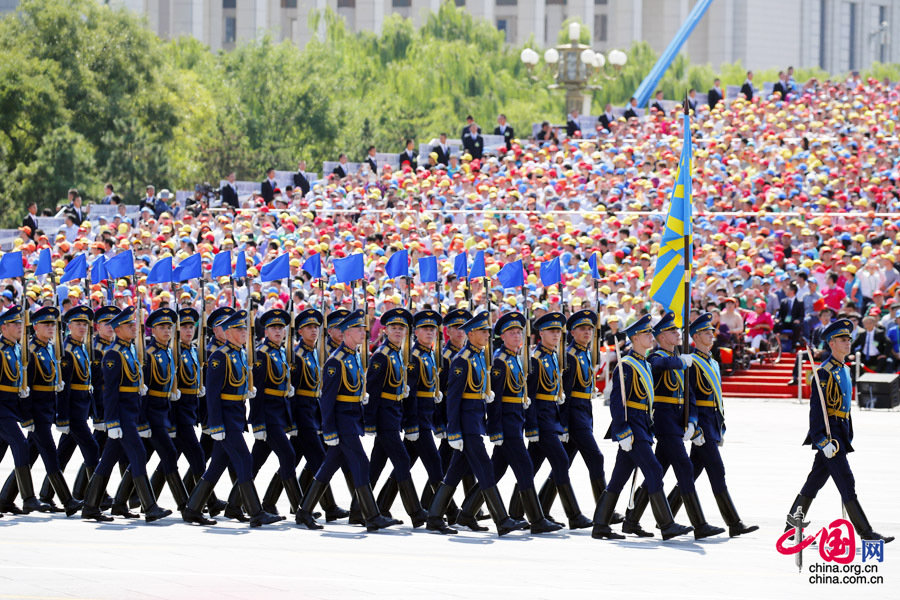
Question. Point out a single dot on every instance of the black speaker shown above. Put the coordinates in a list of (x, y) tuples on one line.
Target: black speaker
[(879, 390)]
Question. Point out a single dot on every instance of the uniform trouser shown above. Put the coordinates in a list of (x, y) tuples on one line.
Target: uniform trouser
[(41, 443), (164, 446), (186, 443), (425, 449), (474, 456), (583, 441), (838, 468), (276, 441), (79, 435), (230, 451), (548, 446), (512, 453), (640, 456), (349, 452), (670, 452), (446, 453), (389, 445), (130, 445), (707, 457), (12, 436), (307, 443)]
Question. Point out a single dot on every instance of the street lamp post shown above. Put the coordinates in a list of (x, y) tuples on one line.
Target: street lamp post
[(574, 65)]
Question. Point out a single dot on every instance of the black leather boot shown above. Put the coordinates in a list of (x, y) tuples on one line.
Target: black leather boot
[(730, 515), (598, 486), (800, 501), (354, 516), (674, 500), (411, 504), (387, 495), (428, 495), (470, 483), (193, 511), (81, 481), (8, 496), (516, 510), (333, 512), (46, 495), (547, 497), (157, 481), (470, 507), (26, 489), (233, 508), (443, 495), (272, 494), (93, 496), (120, 505), (535, 514), (152, 511), (369, 509), (633, 516), (69, 504), (502, 520), (176, 486), (603, 517), (664, 518), (861, 523), (292, 491), (570, 505), (702, 529), (304, 514), (254, 508)]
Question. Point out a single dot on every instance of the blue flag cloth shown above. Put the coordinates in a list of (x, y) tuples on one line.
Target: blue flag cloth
[(98, 269), (221, 265), (76, 269), (350, 268), (240, 265), (550, 273), (190, 268), (313, 266), (512, 275), (11, 265), (161, 272), (43, 264), (461, 265), (397, 265), (592, 262), (478, 266), (121, 265), (280, 268), (428, 269)]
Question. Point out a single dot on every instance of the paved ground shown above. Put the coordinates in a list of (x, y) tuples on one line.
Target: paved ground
[(54, 557)]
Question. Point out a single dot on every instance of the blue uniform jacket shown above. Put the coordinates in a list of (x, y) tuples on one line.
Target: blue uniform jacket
[(158, 377), (342, 389), (73, 403), (185, 410), (384, 384), (305, 374), (10, 379), (506, 414), (577, 413), (121, 385), (837, 388), (466, 386), (668, 394), (706, 386), (439, 418), (43, 376), (544, 390), (271, 407), (419, 406), (227, 389), (638, 397), (100, 347)]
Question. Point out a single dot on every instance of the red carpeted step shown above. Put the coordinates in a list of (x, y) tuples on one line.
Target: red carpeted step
[(763, 381)]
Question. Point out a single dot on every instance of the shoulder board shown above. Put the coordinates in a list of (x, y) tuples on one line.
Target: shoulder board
[(151, 349), (573, 351), (338, 355), (32, 347), (417, 352), (465, 353), (386, 350), (536, 353), (447, 353)]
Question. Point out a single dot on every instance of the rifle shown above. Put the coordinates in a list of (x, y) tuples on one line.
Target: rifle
[(251, 345), (89, 336), (526, 350), (290, 329), (365, 352), (23, 345), (139, 338), (436, 351), (321, 340), (201, 346), (176, 352), (815, 372), (489, 355), (561, 353), (595, 345)]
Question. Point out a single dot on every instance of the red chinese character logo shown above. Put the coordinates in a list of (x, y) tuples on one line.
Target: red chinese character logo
[(837, 542)]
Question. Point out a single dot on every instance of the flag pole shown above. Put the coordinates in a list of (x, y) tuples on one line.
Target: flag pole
[(686, 308)]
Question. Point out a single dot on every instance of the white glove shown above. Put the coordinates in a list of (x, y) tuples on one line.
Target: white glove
[(253, 392), (406, 391), (689, 433), (498, 442), (60, 386), (29, 428), (260, 435), (291, 391), (91, 388), (370, 432), (333, 442), (560, 400), (411, 436), (687, 360), (489, 397), (176, 395), (365, 399), (438, 397), (440, 435), (99, 426), (202, 391), (829, 450), (564, 438), (114, 433), (698, 440), (218, 436), (146, 433), (457, 444), (533, 438), (144, 390), (627, 443), (292, 433), (172, 434), (63, 430), (526, 401), (23, 393), (721, 442)]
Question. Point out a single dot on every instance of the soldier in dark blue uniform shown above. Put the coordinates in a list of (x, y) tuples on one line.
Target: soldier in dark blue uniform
[(122, 387), (12, 390), (631, 409), (343, 398), (543, 425), (668, 427), (467, 399), (102, 341), (506, 425), (831, 452), (333, 329), (705, 382), (227, 391)]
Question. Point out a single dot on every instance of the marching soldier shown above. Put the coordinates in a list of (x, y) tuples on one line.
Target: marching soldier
[(506, 424), (668, 426), (343, 398), (543, 426), (12, 390), (333, 328), (227, 390), (706, 387), (387, 387), (467, 399), (832, 442), (122, 387), (630, 404)]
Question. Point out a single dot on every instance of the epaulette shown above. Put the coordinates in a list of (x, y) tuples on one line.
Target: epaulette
[(70, 346), (573, 351), (385, 349), (151, 350), (465, 353), (417, 352), (338, 355), (447, 353)]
